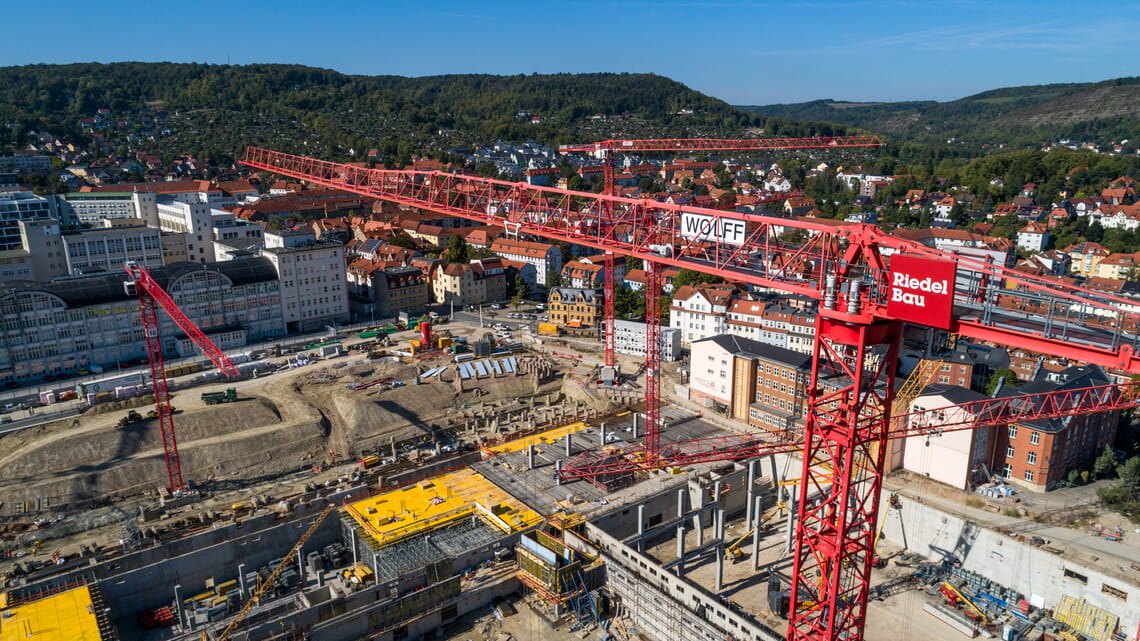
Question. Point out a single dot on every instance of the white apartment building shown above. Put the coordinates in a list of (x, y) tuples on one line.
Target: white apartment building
[(951, 457), (698, 311), (629, 338), (20, 205), (108, 248), (196, 221), (314, 284), (95, 206), (544, 257)]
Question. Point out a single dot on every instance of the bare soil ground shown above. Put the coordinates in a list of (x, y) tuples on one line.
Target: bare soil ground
[(281, 423)]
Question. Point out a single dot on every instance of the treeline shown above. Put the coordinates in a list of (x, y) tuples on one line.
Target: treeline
[(1013, 117), (319, 111)]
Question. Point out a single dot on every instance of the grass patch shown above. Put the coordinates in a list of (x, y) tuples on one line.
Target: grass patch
[(1011, 512), (975, 502)]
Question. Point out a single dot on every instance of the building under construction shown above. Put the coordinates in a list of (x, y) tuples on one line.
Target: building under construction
[(691, 554)]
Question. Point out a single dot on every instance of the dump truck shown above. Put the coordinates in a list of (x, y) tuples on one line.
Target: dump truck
[(131, 418), (213, 398)]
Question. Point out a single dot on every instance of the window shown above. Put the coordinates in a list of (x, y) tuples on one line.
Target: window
[(1009, 452), (1034, 438), (1028, 475), (1032, 458), (1069, 574), (1111, 591), (1013, 431), (1007, 470)]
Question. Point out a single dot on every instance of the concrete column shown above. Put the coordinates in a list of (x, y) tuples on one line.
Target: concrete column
[(776, 480), (756, 534), (635, 425), (790, 535), (352, 531), (681, 504), (567, 443), (751, 491), (602, 433), (530, 457), (698, 523), (558, 472), (720, 551), (178, 606), (301, 565), (680, 550), (392, 442), (641, 528), (715, 501)]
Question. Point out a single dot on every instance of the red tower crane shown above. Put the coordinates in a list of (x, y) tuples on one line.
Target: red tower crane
[(151, 297), (607, 149), (868, 284)]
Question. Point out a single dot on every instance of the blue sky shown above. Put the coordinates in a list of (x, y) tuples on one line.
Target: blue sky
[(743, 52)]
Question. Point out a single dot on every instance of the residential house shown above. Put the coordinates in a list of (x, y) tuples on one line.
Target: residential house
[(377, 291), (956, 458), (575, 307), (699, 310), (545, 257), (1086, 257), (1118, 266), (1033, 237), (475, 283)]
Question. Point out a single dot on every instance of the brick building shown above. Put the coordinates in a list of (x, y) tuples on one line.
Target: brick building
[(1039, 455)]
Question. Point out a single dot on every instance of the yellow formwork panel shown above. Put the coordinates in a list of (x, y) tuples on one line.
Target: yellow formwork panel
[(416, 509), (67, 616), (549, 437)]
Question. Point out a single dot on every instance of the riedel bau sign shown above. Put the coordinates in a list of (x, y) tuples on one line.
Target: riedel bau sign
[(921, 290)]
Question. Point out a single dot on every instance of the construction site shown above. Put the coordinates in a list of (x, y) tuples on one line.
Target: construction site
[(397, 491)]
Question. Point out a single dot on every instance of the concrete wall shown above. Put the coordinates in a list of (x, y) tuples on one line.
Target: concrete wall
[(665, 607), (145, 580), (1036, 573)]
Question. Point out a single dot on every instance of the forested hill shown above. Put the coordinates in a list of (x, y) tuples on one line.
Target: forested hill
[(1099, 112), (223, 108)]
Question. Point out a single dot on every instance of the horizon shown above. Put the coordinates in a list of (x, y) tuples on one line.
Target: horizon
[(916, 51)]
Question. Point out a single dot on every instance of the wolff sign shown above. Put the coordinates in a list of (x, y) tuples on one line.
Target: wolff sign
[(921, 290)]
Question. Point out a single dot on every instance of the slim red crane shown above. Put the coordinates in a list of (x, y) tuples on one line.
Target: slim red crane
[(608, 149), (151, 297), (867, 284)]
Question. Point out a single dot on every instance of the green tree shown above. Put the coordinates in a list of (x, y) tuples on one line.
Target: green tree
[(691, 277), (1105, 463), (1002, 373), (402, 239), (519, 286), (457, 250), (553, 279)]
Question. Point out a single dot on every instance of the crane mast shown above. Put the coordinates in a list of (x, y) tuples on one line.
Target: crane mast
[(867, 284), (151, 298)]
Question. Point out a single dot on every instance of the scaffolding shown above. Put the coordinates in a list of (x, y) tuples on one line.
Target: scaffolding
[(555, 572)]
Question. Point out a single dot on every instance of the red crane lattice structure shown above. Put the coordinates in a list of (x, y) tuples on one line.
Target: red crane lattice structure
[(151, 297), (867, 284), (608, 149)]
